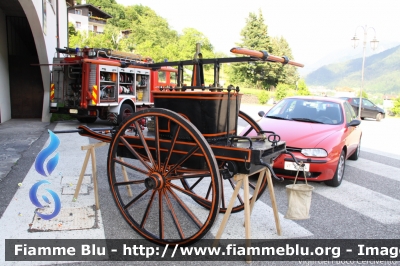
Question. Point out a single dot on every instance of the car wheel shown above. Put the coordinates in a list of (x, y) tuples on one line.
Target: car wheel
[(338, 176), (356, 154), (378, 117)]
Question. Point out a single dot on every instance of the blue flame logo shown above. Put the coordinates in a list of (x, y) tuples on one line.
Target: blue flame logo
[(45, 153), (35, 200), (51, 165)]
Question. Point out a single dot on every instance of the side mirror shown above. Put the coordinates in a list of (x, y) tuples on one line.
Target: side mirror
[(261, 113), (354, 123)]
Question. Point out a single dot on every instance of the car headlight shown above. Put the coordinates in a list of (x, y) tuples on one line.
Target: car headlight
[(314, 152)]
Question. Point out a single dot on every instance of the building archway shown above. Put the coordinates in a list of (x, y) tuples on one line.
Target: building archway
[(30, 30)]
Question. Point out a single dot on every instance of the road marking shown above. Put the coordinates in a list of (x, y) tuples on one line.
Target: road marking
[(376, 168), (375, 205), (262, 225), (378, 152), (262, 219)]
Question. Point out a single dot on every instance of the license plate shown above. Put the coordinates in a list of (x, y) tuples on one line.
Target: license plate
[(294, 167), (73, 111)]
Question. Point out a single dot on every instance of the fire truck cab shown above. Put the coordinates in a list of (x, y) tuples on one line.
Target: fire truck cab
[(89, 83)]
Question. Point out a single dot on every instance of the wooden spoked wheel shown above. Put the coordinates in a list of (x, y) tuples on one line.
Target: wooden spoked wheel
[(246, 126), (145, 167)]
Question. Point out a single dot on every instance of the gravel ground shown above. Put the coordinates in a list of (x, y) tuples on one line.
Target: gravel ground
[(250, 99)]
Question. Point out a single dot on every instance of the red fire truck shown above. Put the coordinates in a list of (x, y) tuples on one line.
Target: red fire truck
[(89, 83)]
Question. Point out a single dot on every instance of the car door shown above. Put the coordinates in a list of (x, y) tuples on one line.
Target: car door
[(369, 109), (352, 133), (355, 103)]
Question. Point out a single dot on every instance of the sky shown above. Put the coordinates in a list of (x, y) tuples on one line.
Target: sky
[(313, 28)]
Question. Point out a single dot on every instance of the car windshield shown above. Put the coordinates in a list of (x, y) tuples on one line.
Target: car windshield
[(307, 110)]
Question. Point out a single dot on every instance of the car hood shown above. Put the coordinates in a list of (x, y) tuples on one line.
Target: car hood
[(299, 134)]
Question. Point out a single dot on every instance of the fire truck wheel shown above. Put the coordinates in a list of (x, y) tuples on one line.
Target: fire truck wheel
[(125, 112)]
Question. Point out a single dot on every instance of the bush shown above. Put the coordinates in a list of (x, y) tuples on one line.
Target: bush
[(396, 107), (281, 91), (291, 92), (302, 88), (263, 97)]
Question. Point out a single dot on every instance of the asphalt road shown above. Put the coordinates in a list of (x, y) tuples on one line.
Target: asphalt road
[(365, 206)]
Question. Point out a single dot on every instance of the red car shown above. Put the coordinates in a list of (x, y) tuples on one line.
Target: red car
[(320, 131)]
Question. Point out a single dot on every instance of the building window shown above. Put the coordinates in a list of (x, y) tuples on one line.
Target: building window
[(89, 13), (78, 12), (91, 27), (78, 25)]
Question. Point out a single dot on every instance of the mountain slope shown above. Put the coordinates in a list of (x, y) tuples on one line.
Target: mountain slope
[(381, 73)]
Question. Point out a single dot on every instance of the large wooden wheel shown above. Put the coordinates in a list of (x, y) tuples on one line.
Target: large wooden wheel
[(246, 126), (145, 167)]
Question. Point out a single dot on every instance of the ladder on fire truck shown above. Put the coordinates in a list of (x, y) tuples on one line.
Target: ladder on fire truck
[(93, 53)]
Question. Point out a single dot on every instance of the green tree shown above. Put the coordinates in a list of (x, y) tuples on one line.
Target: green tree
[(150, 35), (288, 73), (113, 34), (302, 88), (396, 106), (281, 91), (71, 29), (261, 74), (91, 39), (187, 44), (77, 40), (111, 7), (255, 37), (364, 94)]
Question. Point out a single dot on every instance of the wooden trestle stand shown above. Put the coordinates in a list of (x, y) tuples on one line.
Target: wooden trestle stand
[(90, 152), (248, 206)]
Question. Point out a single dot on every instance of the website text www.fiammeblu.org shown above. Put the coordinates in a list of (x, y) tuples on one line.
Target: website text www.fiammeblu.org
[(279, 250)]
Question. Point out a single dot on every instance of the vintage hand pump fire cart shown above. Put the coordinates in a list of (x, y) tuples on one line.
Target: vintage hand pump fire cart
[(171, 167)]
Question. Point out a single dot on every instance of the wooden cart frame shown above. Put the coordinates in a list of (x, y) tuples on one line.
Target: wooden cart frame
[(171, 168)]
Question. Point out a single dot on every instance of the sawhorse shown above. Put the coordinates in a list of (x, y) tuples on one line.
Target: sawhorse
[(248, 206), (90, 152)]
